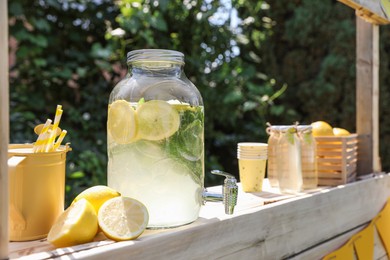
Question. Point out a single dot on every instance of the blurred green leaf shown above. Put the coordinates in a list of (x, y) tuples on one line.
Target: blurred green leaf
[(77, 175), (99, 52), (15, 8), (41, 24), (157, 21), (40, 62)]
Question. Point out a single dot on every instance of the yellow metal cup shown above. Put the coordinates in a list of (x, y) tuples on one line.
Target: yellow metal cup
[(36, 190)]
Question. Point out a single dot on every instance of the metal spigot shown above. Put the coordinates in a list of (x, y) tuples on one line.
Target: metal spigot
[(229, 192)]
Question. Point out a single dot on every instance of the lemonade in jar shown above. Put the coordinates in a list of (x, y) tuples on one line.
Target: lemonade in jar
[(155, 138)]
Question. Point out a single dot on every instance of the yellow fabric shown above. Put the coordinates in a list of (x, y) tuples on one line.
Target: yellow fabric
[(364, 243), (361, 244), (382, 224), (345, 252)]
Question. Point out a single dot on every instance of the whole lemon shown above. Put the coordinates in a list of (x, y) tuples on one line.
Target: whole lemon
[(97, 195), (322, 128), (340, 131)]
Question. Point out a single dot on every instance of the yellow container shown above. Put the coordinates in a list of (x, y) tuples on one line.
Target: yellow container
[(36, 190)]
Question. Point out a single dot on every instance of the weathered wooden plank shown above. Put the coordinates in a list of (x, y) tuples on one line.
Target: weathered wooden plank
[(367, 96), (4, 130), (311, 224), (369, 10)]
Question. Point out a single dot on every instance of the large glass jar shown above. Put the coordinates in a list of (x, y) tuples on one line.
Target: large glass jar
[(155, 138)]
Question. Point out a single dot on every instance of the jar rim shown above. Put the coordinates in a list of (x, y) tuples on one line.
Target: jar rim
[(155, 55)]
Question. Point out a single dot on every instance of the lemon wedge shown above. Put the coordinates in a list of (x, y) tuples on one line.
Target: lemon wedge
[(123, 218), (121, 122), (157, 120), (321, 128), (78, 224), (340, 132), (97, 195)]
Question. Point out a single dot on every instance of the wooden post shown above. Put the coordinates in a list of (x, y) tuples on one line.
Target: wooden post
[(4, 129), (367, 96)]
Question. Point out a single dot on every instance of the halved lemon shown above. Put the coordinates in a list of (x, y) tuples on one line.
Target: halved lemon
[(157, 120), (121, 122), (78, 224), (123, 218)]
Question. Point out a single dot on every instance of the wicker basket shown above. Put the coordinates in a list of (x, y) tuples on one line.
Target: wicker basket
[(336, 158)]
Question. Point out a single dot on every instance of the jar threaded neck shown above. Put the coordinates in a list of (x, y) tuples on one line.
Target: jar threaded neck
[(155, 56)]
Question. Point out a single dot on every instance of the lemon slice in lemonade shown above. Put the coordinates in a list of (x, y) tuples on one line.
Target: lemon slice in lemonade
[(157, 120), (123, 218), (121, 123)]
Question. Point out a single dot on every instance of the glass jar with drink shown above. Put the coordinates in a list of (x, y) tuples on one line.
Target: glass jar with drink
[(308, 156), (155, 138), (273, 139), (288, 158)]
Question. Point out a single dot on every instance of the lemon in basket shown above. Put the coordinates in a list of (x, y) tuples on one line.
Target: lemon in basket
[(322, 128), (123, 218), (340, 132), (78, 224)]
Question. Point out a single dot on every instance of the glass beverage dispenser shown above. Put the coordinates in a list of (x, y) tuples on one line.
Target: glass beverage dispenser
[(155, 138)]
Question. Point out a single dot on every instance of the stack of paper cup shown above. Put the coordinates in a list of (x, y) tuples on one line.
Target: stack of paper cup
[(252, 159)]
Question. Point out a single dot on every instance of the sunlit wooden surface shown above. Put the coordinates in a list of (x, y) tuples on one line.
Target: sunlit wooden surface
[(266, 225)]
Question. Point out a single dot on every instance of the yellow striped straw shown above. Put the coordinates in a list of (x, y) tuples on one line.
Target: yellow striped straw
[(57, 119), (42, 142), (39, 143), (45, 138), (59, 140)]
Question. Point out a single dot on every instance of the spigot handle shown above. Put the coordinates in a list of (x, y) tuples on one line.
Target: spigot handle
[(229, 191), (222, 173)]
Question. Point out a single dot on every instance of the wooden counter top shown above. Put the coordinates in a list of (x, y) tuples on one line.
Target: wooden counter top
[(265, 225)]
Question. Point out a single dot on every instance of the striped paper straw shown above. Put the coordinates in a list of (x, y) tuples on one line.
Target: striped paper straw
[(40, 141), (59, 140), (57, 119), (45, 140)]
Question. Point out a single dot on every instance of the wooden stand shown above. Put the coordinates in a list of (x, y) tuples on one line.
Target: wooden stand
[(305, 227), (265, 225), (367, 96), (4, 130)]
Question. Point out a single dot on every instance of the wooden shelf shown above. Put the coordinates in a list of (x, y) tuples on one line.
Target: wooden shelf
[(265, 225)]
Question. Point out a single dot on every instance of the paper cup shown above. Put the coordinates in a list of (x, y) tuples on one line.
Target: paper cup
[(247, 145), (260, 154), (252, 172), (252, 151), (251, 157)]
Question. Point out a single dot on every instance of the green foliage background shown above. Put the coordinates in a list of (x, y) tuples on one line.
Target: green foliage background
[(281, 62)]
